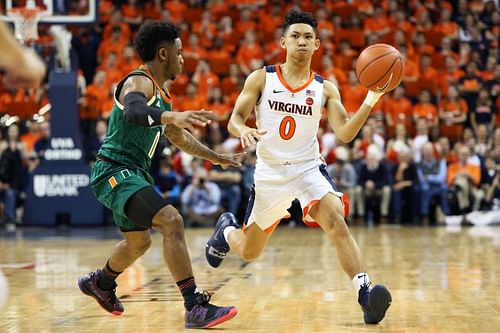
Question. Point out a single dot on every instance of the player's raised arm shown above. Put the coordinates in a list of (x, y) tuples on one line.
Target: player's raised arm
[(23, 66), (136, 93), (245, 103), (344, 127)]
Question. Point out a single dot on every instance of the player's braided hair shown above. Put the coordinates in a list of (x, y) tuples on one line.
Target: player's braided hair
[(299, 17), (151, 34)]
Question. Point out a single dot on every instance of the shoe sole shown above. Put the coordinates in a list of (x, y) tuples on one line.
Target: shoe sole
[(381, 301), (207, 255), (84, 290), (232, 312)]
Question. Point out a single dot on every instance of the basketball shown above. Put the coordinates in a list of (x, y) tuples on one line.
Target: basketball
[(380, 67)]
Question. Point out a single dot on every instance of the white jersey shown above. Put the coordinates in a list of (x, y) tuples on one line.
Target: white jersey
[(291, 118)]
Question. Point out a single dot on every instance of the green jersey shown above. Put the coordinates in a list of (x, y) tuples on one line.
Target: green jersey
[(130, 144)]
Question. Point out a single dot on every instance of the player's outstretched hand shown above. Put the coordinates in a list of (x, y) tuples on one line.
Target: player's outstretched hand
[(189, 119), (225, 160), (27, 71), (250, 136)]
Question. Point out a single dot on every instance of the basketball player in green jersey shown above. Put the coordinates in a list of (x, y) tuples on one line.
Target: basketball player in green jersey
[(121, 181)]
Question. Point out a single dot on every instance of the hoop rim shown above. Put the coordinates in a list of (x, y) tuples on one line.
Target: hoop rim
[(26, 12)]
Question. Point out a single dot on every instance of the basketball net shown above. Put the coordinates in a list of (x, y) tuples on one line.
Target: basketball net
[(26, 21)]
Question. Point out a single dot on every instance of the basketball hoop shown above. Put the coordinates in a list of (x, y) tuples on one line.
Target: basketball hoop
[(26, 22)]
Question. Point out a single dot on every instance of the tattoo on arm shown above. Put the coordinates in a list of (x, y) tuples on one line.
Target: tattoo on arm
[(188, 143)]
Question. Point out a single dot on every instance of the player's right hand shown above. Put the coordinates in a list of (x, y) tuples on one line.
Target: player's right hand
[(250, 136), (26, 72), (190, 119)]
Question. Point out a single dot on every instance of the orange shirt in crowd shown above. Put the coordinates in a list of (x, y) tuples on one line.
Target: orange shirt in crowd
[(427, 111), (446, 28), (335, 75), (125, 31), (352, 97), (452, 110), (131, 11), (445, 79), (205, 83), (151, 11), (274, 54), (428, 74), (472, 170), (247, 53), (29, 139), (108, 46), (373, 24), (94, 98), (126, 66), (399, 111), (411, 72), (188, 103), (244, 26), (196, 53), (177, 10), (105, 10), (223, 110)]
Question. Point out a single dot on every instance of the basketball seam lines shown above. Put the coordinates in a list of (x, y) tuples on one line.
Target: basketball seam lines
[(390, 67), (381, 56)]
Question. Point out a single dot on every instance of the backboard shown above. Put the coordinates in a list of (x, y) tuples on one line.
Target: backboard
[(57, 11)]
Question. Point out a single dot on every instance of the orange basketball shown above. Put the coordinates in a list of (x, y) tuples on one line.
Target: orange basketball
[(380, 67)]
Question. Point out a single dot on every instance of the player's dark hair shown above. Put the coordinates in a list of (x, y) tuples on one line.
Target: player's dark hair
[(299, 17), (151, 35)]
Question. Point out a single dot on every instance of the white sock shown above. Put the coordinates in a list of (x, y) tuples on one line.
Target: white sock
[(227, 230), (360, 279)]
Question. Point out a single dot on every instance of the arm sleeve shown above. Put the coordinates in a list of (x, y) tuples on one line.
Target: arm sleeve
[(136, 111)]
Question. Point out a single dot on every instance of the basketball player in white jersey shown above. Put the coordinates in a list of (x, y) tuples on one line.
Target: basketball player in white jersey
[(288, 100), (24, 69)]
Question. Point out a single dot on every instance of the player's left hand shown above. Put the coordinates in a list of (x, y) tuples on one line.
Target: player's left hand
[(226, 160)]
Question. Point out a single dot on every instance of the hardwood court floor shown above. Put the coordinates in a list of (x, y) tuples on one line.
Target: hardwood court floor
[(442, 280)]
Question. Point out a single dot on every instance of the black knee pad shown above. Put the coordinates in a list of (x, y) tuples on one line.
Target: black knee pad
[(143, 206)]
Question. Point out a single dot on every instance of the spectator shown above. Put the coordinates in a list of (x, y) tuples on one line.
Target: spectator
[(167, 184), (398, 110), (452, 113), (484, 113), (352, 93), (42, 144), (192, 100), (229, 182), (470, 84), (248, 51), (425, 109), (11, 169), (31, 136), (398, 143), (373, 191), (93, 144), (483, 141), (201, 200), (421, 138), (464, 178), (431, 182), (344, 175), (205, 79), (404, 177), (490, 182)]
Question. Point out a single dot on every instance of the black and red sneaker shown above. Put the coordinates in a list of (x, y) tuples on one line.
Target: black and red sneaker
[(106, 298), (205, 315)]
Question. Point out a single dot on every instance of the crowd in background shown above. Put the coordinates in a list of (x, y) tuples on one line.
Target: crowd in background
[(430, 148)]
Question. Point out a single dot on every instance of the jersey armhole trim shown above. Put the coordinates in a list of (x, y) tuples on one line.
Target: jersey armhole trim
[(120, 85)]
